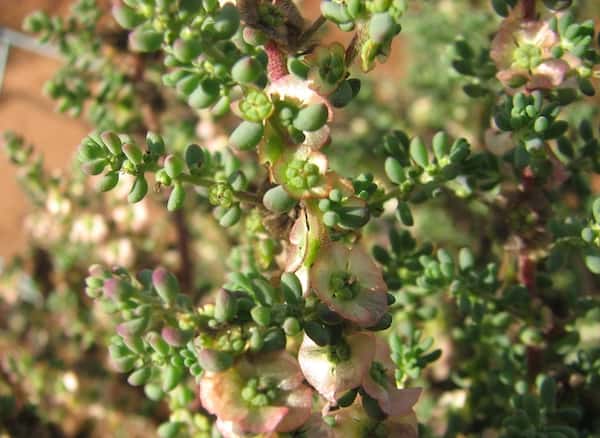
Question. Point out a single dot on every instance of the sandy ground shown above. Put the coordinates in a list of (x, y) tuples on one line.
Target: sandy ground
[(24, 109)]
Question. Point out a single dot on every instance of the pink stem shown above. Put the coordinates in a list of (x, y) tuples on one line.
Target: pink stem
[(276, 67)]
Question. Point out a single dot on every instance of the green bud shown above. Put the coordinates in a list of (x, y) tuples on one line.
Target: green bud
[(278, 200), (231, 216), (382, 28), (221, 107), (247, 135), (348, 398), (441, 145), (541, 124), (127, 17), (257, 341), (194, 156), (124, 364), (187, 50), (274, 340), (404, 214), (162, 177), (394, 170), (335, 12), (174, 166), (176, 198), (112, 142), (225, 306), (342, 95), (94, 167), (311, 118), (297, 67), (170, 429), (139, 189), (188, 84), (133, 327), (291, 326), (145, 39), (166, 285), (205, 94), (155, 143), (246, 70), (500, 7), (158, 344), (227, 21), (108, 182), (133, 153), (291, 287), (214, 360), (153, 391), (418, 152), (171, 377), (139, 377), (261, 315), (317, 332)]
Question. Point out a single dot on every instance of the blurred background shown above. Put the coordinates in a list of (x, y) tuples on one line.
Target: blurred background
[(24, 108)]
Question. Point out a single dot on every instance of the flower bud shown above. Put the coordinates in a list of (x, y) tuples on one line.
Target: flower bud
[(246, 70), (158, 344), (127, 17), (173, 336), (162, 177), (225, 306), (353, 217), (342, 95), (133, 327), (112, 142), (133, 153), (311, 118), (156, 144), (317, 332), (176, 198), (394, 170), (231, 216), (170, 429), (94, 167), (261, 315), (278, 200), (404, 214), (124, 364), (214, 360), (336, 12), (188, 84), (108, 181), (117, 290), (205, 94), (145, 39), (166, 285), (171, 377), (140, 376), (382, 28), (253, 37), (139, 189), (291, 287), (186, 50), (441, 145), (418, 152), (194, 156), (291, 326), (247, 135), (227, 21), (348, 398), (153, 392), (274, 340)]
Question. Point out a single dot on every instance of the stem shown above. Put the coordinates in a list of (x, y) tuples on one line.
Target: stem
[(528, 10), (308, 33), (183, 237)]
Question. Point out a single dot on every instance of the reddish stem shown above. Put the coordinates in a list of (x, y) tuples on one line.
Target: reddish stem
[(276, 67), (528, 10)]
